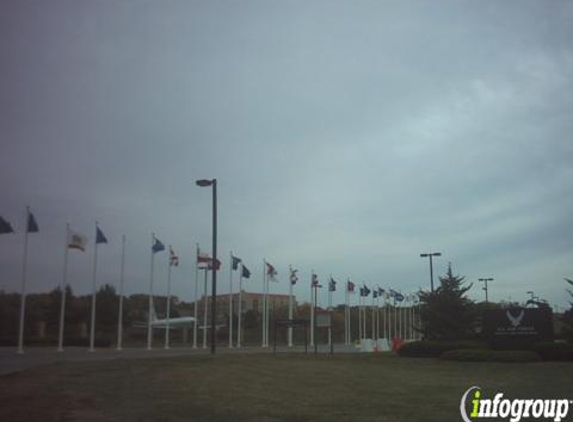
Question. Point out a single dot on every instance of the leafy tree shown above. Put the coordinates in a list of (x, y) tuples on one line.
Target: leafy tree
[(447, 314), (568, 317)]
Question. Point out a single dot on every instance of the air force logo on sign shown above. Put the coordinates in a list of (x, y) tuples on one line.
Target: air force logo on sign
[(515, 321)]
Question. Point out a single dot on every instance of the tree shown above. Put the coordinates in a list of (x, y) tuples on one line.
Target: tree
[(568, 318), (446, 313)]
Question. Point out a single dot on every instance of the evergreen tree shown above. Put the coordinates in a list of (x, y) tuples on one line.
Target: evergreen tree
[(447, 314)]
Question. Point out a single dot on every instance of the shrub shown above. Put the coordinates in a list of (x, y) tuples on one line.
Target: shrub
[(433, 349), (549, 350), (480, 355)]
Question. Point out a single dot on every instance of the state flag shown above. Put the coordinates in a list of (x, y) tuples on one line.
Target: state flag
[(100, 237), (245, 273), (77, 241)]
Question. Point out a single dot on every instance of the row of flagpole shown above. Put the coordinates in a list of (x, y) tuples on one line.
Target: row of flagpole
[(77, 241)]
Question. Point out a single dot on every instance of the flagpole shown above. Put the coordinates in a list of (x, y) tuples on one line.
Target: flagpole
[(150, 307), (168, 311), (195, 314), (312, 293), (120, 314), (240, 307), (205, 304), (267, 313), (290, 305), (20, 349), (63, 302), (263, 304), (373, 317), (346, 314), (231, 301), (92, 323), (330, 310), (349, 319)]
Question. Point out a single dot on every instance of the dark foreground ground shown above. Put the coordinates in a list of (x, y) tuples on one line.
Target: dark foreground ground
[(265, 387)]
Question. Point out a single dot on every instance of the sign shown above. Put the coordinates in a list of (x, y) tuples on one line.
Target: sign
[(517, 327)]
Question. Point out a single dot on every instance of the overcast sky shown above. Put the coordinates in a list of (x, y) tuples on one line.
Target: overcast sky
[(347, 138)]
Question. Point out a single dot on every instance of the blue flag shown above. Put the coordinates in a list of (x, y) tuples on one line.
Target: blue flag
[(157, 246), (331, 285), (100, 237), (5, 227), (399, 297), (32, 225), (245, 273)]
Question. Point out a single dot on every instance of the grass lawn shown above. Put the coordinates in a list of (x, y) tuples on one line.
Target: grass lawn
[(262, 388)]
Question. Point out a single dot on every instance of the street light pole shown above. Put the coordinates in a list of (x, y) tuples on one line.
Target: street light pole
[(430, 255), (213, 184), (485, 280)]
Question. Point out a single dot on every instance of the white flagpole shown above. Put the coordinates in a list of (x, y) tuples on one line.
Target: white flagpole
[(92, 324), (267, 313), (395, 319), (346, 296), (373, 319), (205, 305), (63, 303), (231, 302), (120, 315), (312, 310), (195, 313), (400, 322), (377, 317), (240, 307), (364, 319), (150, 306), (290, 305), (360, 315), (263, 302), (168, 311), (23, 293)]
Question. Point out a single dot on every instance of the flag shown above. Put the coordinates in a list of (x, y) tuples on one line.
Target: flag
[(314, 282), (271, 272), (380, 291), (375, 294), (100, 237), (217, 265), (77, 241), (393, 293), (203, 258), (399, 297), (157, 245), (331, 285), (235, 262), (5, 227), (173, 259), (364, 291), (350, 286), (293, 277), (32, 224), (245, 273)]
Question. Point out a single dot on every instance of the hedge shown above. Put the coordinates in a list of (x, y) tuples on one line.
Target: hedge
[(549, 350), (433, 349), (477, 355)]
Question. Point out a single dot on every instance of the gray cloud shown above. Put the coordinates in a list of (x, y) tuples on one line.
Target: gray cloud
[(347, 138)]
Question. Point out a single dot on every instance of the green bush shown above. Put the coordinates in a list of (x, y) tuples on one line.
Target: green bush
[(433, 349), (477, 355), (549, 350)]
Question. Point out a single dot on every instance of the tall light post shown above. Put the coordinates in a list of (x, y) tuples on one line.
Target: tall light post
[(485, 280), (205, 183), (430, 255)]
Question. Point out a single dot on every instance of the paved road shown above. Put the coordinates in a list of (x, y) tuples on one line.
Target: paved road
[(10, 361)]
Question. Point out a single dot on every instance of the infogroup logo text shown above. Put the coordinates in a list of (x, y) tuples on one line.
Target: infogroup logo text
[(512, 409)]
